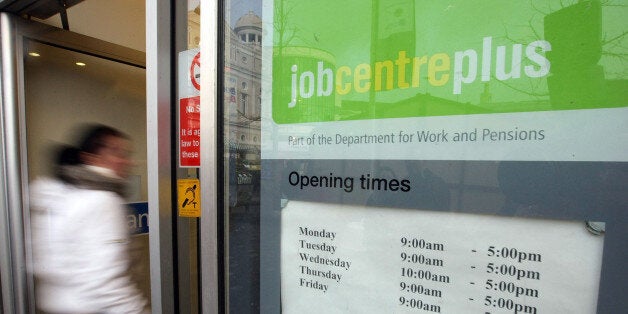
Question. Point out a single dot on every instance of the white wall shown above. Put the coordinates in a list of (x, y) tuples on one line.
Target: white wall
[(61, 95), (121, 22)]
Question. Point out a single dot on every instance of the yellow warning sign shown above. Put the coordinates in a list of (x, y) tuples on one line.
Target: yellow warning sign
[(189, 197)]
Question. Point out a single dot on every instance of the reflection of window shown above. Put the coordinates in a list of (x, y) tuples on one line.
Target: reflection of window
[(242, 104), (242, 137), (244, 86), (244, 60), (243, 37), (251, 38), (255, 139), (232, 95)]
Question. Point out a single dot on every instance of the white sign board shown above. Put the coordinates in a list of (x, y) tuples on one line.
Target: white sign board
[(356, 259)]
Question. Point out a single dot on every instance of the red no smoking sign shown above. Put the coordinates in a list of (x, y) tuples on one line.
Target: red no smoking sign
[(195, 71), (189, 108)]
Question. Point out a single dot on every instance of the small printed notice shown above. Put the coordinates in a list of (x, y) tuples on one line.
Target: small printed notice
[(356, 259), (190, 132)]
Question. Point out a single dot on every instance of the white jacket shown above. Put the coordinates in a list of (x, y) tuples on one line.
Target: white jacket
[(80, 239)]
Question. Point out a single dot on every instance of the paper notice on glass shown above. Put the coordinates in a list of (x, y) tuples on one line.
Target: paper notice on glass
[(356, 259)]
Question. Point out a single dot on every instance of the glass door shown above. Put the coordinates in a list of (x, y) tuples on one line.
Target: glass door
[(237, 148), (59, 82), (66, 90), (242, 100)]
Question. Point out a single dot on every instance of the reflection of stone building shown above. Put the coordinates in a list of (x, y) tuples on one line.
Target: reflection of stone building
[(243, 68), (243, 90), (242, 99), (243, 103)]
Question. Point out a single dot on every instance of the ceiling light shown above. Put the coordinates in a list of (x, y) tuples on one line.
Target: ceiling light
[(34, 54), (81, 64)]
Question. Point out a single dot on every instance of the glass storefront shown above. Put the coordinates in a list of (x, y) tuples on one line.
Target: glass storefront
[(352, 156), (443, 157)]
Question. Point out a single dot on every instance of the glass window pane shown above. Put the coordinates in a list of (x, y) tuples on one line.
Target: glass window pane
[(415, 152), (242, 130)]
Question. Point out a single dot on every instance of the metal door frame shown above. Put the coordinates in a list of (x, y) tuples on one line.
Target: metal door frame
[(210, 174), (166, 30)]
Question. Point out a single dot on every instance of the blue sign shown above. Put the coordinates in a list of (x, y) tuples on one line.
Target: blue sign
[(137, 218)]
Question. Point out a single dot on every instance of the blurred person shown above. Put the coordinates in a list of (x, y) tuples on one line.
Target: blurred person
[(80, 234)]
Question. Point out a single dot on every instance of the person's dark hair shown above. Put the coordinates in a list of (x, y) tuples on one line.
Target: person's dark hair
[(67, 155), (92, 140)]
